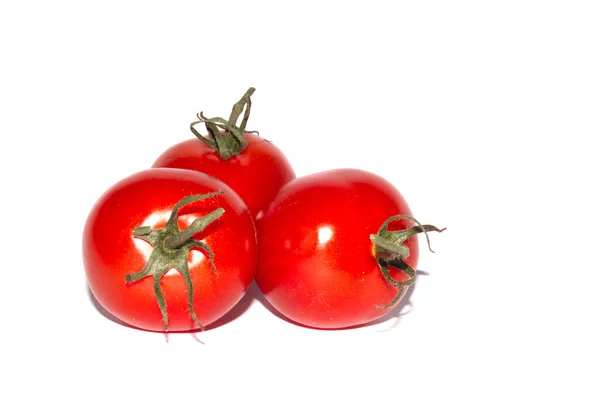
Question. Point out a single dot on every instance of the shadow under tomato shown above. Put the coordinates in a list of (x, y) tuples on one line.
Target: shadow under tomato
[(239, 309), (395, 313), (104, 312), (401, 309)]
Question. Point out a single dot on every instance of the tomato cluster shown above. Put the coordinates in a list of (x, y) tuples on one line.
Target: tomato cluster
[(176, 246)]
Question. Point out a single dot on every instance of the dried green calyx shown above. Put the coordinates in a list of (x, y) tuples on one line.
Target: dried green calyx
[(170, 250), (390, 251), (224, 135)]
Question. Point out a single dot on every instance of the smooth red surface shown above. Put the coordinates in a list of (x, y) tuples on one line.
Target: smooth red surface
[(316, 263), (256, 174), (110, 251)]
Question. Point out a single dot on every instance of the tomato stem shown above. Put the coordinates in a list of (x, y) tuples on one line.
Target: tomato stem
[(178, 239), (224, 135), (390, 251), (170, 250)]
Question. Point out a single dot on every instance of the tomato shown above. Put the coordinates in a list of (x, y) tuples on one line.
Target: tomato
[(256, 174), (168, 249), (253, 167), (337, 248)]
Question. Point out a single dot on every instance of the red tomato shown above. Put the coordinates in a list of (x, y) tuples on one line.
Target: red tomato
[(148, 260), (318, 264), (256, 174), (253, 167)]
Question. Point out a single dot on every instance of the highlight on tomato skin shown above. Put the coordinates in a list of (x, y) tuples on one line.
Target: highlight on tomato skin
[(159, 235), (331, 256), (252, 166)]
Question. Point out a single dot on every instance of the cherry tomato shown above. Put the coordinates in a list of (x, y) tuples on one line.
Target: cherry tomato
[(337, 248), (253, 167), (168, 249), (255, 175)]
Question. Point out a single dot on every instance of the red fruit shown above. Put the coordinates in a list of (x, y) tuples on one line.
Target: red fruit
[(169, 249), (253, 167), (337, 248)]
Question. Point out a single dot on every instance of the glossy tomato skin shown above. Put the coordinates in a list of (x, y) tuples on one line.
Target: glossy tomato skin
[(316, 264), (146, 199), (256, 174)]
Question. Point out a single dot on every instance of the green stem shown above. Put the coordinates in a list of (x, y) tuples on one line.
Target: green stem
[(390, 251), (170, 250), (224, 135), (172, 222), (180, 238)]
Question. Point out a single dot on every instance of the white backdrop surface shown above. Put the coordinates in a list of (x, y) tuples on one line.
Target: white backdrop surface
[(484, 115)]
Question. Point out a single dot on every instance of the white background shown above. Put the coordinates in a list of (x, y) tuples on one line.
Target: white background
[(484, 114)]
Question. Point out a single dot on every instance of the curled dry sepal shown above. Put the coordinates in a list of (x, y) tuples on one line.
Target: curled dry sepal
[(170, 250), (224, 135), (390, 251)]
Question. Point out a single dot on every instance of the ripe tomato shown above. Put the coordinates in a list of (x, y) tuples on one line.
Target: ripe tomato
[(330, 255), (149, 244), (253, 167)]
